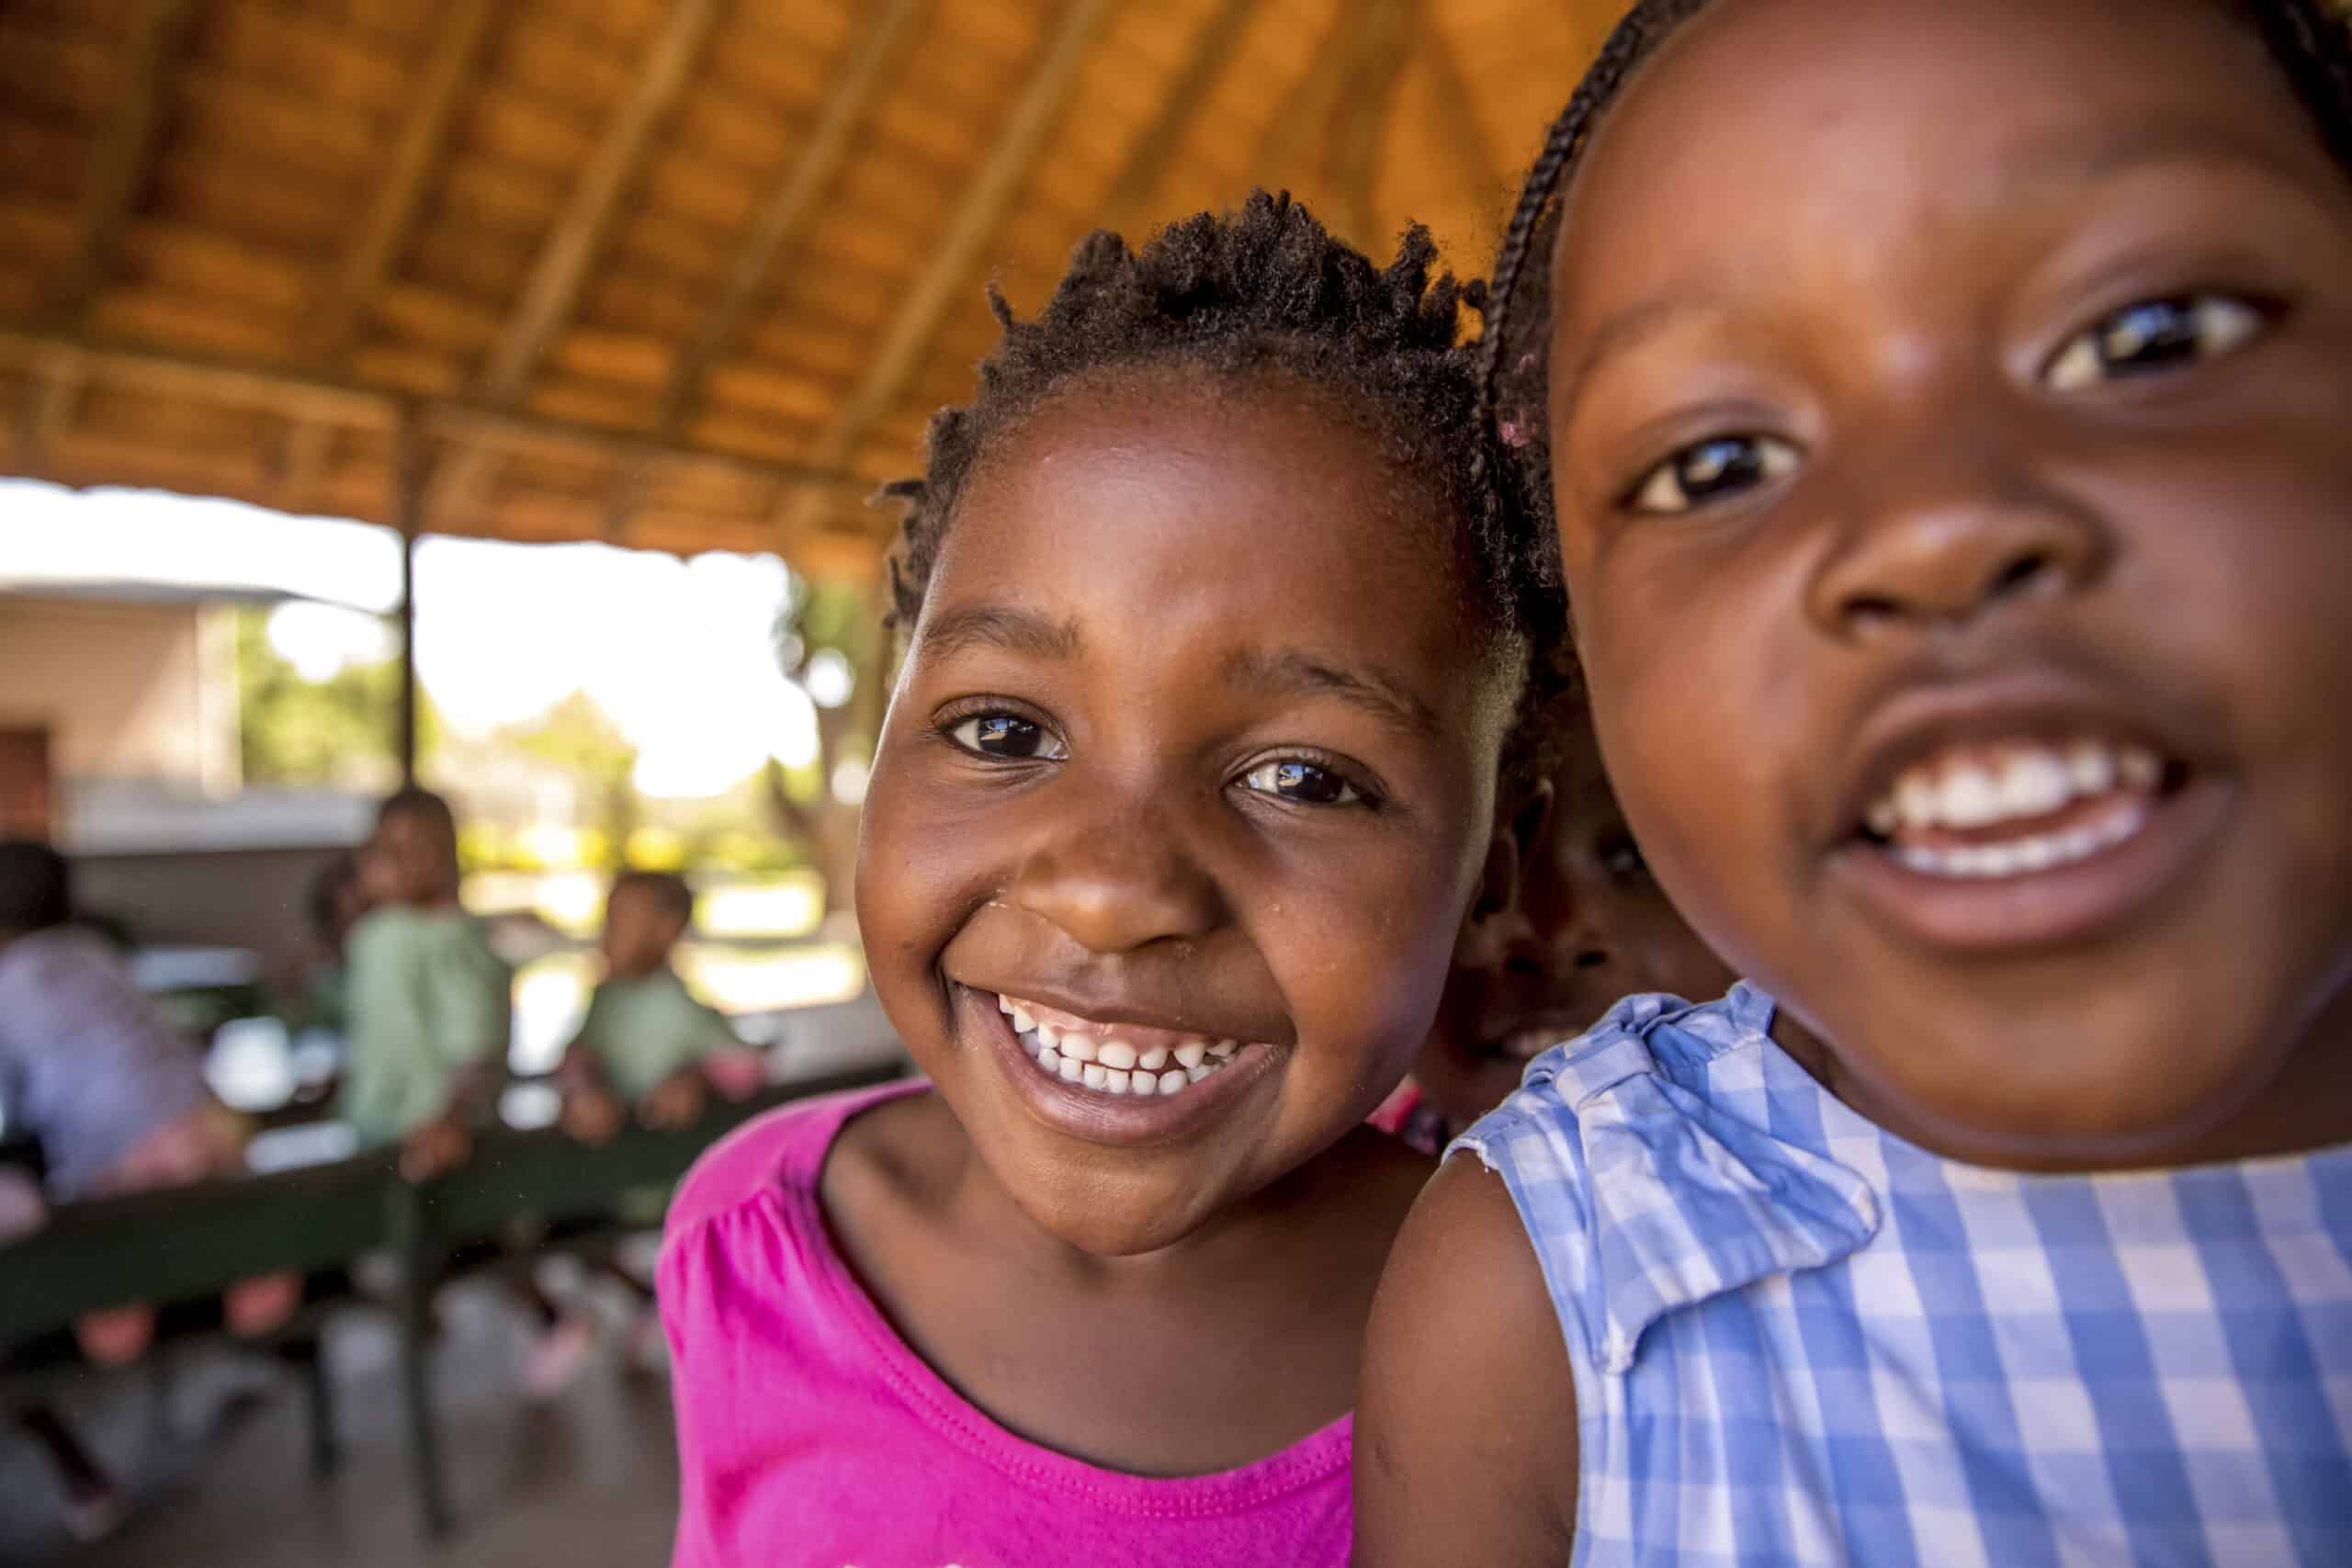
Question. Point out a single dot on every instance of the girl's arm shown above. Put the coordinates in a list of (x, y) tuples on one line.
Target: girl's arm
[(1466, 1439)]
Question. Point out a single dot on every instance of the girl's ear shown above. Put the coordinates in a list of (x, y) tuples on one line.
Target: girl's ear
[(1495, 918)]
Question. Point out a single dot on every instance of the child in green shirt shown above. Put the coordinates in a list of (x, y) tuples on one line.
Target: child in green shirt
[(429, 1002), (646, 1041)]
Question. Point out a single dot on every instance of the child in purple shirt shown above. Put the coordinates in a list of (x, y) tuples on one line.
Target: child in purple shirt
[(1187, 788)]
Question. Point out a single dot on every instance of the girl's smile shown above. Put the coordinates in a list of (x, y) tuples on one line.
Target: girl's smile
[(2020, 812)]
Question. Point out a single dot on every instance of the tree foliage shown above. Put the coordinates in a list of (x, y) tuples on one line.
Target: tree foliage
[(343, 731)]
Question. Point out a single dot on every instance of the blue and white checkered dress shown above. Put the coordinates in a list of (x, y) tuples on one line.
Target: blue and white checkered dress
[(1799, 1339)]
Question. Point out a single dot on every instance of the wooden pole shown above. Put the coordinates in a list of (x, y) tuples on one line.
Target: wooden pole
[(404, 511)]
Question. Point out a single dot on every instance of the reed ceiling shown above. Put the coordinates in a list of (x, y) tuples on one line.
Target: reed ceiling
[(678, 274)]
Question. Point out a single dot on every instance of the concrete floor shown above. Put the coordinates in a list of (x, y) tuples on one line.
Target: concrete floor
[(587, 1481)]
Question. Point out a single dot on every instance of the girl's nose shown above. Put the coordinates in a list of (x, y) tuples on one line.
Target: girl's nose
[(1941, 549), (1117, 882)]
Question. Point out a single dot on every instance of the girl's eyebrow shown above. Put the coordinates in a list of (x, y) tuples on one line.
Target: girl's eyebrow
[(1622, 333), (1289, 671), (999, 626)]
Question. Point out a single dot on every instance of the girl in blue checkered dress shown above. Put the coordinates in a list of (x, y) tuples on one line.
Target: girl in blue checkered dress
[(1946, 413)]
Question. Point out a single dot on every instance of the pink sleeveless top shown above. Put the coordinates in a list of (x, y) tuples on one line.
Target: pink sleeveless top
[(810, 1436)]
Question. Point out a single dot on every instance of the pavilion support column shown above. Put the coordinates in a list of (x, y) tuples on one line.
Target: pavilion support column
[(406, 500)]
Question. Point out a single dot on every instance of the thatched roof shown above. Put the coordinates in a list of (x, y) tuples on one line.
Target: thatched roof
[(685, 274), (676, 274)]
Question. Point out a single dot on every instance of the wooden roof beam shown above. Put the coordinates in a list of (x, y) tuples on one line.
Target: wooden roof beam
[(784, 219), (122, 158), (781, 223), (1213, 49), (560, 272), (328, 401), (1458, 116), (914, 332), (460, 33), (463, 25), (1305, 111), (1385, 29)]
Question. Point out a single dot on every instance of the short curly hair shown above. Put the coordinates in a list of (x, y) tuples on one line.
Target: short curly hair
[(1266, 287)]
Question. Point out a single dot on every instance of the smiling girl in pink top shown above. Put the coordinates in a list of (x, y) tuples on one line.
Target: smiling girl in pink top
[(1187, 788)]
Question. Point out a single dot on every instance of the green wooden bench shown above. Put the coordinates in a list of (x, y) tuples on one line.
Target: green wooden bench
[(190, 1242)]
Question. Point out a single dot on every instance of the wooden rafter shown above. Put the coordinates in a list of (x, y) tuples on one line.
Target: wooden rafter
[(1148, 160), (121, 159), (461, 30), (1306, 112), (560, 272), (915, 330), (779, 226), (1383, 28), (347, 404), (1458, 114)]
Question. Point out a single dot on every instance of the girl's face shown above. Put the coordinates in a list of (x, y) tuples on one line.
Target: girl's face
[(1590, 925), (1192, 760), (1949, 408)]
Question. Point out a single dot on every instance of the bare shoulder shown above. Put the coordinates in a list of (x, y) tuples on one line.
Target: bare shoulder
[(1466, 1445)]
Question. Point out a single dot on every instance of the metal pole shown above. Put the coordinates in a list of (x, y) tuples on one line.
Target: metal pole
[(405, 472)]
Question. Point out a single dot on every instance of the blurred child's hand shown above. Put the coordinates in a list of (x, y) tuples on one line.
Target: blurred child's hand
[(735, 1072), (115, 1336), (261, 1305), (590, 1114), (676, 1102), (436, 1148)]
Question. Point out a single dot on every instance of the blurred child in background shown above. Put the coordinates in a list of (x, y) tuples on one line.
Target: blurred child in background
[(1588, 925), (116, 1097), (648, 1044), (429, 1000)]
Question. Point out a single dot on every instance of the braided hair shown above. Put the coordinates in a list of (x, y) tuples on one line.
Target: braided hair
[(2308, 39)]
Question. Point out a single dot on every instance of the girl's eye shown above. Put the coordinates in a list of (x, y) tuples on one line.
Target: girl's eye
[(2152, 336), (1621, 859), (1007, 735), (1713, 470), (1303, 784)]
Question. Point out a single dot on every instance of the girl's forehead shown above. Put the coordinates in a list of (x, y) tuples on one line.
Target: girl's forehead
[(1175, 472), (1767, 120)]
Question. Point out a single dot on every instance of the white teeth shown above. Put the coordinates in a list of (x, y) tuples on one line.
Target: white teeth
[(2041, 851), (2091, 766), (1112, 1066), (1916, 800), (2021, 780), (1971, 798), (2034, 783)]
